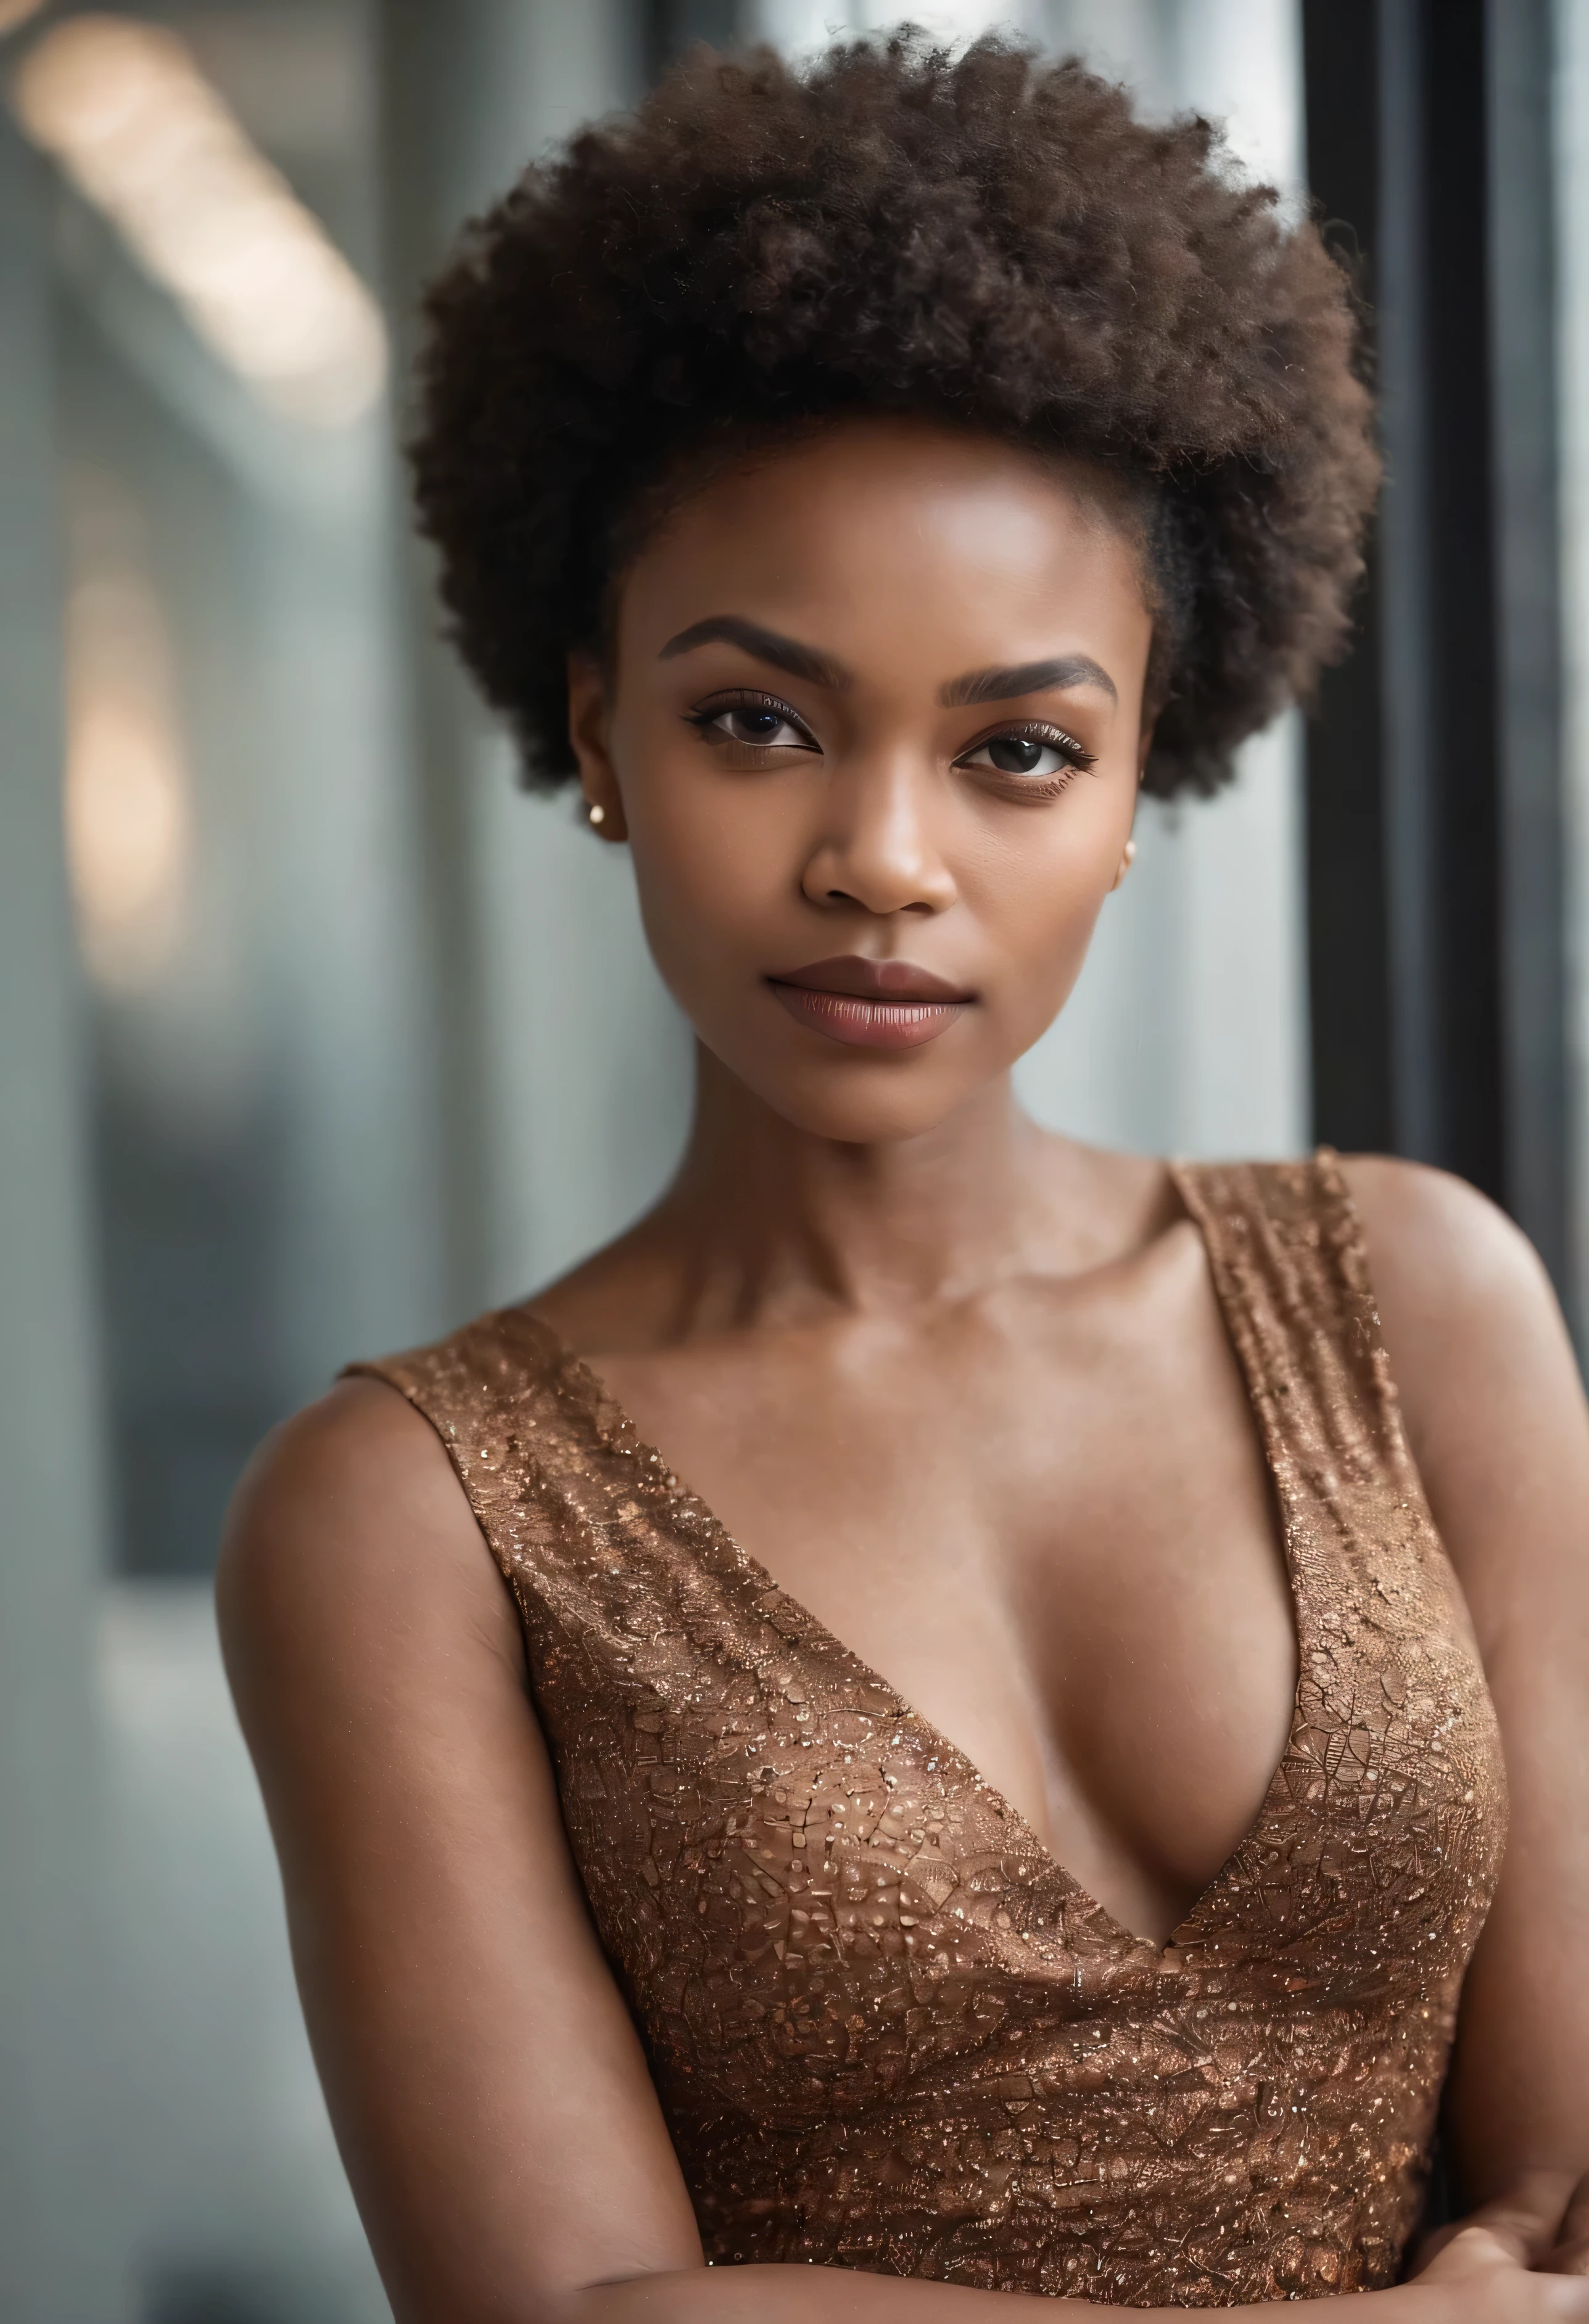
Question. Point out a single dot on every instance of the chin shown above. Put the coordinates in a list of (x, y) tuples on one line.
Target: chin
[(861, 1105)]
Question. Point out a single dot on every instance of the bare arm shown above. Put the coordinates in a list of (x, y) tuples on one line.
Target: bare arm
[(490, 2094), (487, 2085), (1498, 1426)]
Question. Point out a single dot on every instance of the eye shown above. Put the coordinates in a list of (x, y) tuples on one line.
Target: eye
[(1043, 753), (763, 726), (755, 722)]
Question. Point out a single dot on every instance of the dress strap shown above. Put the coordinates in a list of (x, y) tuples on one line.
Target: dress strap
[(593, 1532), (1289, 1266)]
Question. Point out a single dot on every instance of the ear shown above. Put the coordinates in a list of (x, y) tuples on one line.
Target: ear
[(589, 718), (1128, 854), (1144, 747)]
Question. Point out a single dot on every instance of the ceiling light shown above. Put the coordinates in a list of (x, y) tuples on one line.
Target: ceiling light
[(140, 131), (128, 814)]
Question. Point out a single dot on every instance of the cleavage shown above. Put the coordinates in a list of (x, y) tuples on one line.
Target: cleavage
[(1109, 1644)]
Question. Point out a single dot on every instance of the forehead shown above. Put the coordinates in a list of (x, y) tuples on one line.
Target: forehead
[(875, 528)]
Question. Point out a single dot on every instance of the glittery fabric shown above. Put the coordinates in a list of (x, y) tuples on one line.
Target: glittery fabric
[(889, 2030)]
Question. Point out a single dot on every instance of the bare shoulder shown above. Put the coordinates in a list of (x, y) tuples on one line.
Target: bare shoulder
[(1456, 1281), (1487, 1382), (1433, 1238), (351, 1537)]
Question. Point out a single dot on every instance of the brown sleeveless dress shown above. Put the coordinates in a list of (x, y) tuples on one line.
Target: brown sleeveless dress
[(889, 2030)]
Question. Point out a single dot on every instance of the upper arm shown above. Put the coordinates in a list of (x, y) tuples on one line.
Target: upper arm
[(487, 2087), (1497, 1424)]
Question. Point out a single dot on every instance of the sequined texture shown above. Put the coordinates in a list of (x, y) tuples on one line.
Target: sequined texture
[(889, 2030)]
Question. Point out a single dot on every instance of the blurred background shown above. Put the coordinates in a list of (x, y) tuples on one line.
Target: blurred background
[(281, 1080)]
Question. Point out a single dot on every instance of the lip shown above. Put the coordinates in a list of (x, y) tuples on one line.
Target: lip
[(871, 1004)]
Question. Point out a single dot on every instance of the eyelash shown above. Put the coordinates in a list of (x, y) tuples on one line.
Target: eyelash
[(705, 716), (704, 719), (1051, 738)]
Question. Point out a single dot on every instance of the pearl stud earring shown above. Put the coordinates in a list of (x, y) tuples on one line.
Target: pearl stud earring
[(599, 814)]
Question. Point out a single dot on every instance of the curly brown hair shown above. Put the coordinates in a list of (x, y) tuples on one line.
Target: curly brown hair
[(989, 240)]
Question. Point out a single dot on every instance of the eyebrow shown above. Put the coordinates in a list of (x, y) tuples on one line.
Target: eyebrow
[(805, 661), (764, 645), (1028, 677)]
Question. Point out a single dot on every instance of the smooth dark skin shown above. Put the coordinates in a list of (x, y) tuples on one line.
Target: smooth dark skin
[(961, 1384)]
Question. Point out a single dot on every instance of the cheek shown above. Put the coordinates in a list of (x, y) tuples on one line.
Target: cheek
[(1039, 934), (717, 864), (1037, 882), (714, 847)]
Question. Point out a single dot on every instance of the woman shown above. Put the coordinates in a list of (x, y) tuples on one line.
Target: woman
[(865, 484)]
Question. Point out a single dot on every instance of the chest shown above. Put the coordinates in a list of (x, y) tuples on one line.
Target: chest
[(1050, 1529), (855, 1969)]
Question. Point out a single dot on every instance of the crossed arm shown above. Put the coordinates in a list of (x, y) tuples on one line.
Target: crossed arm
[(490, 2094)]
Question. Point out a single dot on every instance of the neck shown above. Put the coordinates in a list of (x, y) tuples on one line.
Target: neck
[(773, 1222)]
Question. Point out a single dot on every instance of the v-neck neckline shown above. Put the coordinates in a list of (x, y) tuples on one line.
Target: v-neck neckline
[(607, 1419)]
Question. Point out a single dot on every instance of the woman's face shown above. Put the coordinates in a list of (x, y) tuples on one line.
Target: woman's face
[(874, 734)]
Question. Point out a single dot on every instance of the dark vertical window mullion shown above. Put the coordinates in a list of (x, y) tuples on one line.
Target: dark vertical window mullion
[(1347, 922), (1534, 956), (1462, 689), (1406, 742), (1456, 211)]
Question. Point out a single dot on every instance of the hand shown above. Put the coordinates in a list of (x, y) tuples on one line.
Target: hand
[(1569, 2254), (1478, 2278), (1505, 2262)]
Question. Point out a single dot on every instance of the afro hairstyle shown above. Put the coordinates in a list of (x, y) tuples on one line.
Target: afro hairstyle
[(991, 241)]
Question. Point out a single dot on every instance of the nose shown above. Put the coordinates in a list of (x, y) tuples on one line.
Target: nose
[(877, 846)]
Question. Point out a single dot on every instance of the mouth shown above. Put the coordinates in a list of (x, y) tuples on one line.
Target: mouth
[(871, 1004)]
